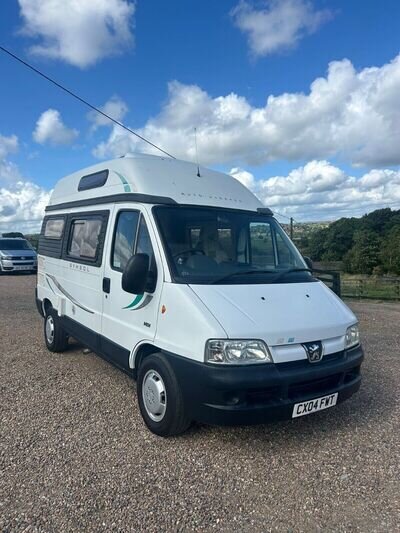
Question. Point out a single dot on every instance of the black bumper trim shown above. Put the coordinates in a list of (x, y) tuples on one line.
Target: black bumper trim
[(261, 393)]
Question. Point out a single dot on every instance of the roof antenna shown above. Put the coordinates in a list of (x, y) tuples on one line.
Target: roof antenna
[(197, 155)]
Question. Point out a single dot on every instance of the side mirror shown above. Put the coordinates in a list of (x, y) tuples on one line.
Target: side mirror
[(134, 276), (309, 263)]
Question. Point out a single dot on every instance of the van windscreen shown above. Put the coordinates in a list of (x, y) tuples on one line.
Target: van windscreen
[(14, 244), (215, 245)]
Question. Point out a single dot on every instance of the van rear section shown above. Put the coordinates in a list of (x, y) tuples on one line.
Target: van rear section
[(180, 277)]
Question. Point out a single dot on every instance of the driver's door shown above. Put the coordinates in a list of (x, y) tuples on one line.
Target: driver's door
[(128, 318)]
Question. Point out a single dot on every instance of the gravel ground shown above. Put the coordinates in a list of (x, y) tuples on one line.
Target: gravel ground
[(75, 455)]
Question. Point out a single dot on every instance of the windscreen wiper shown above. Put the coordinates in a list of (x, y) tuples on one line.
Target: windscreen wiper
[(289, 270), (243, 272)]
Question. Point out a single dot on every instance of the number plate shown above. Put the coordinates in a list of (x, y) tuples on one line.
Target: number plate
[(23, 267), (312, 406)]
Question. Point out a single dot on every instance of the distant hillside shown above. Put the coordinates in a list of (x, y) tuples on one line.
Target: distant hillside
[(366, 245)]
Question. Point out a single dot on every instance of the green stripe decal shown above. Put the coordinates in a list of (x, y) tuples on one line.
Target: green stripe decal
[(136, 301), (127, 187)]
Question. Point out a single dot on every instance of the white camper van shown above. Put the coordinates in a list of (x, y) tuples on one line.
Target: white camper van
[(183, 279)]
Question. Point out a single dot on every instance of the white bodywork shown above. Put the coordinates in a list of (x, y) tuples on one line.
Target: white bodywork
[(180, 318)]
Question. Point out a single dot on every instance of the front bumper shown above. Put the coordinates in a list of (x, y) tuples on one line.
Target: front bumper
[(261, 393), (9, 265)]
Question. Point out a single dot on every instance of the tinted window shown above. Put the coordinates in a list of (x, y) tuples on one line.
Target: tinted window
[(91, 181), (84, 238), (262, 249), (285, 255), (215, 245), (54, 228), (143, 245), (124, 240)]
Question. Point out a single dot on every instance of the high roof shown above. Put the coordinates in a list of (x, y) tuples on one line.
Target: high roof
[(159, 176)]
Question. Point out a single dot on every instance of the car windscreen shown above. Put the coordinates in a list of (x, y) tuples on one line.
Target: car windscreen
[(14, 244), (214, 245)]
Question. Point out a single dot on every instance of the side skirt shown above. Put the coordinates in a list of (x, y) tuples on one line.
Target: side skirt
[(105, 348)]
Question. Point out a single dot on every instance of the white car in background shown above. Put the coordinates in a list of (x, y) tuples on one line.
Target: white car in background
[(17, 255)]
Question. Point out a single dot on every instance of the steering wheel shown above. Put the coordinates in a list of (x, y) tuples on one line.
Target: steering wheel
[(188, 252)]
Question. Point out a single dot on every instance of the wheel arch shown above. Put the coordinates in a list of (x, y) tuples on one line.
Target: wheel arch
[(46, 305), (141, 350)]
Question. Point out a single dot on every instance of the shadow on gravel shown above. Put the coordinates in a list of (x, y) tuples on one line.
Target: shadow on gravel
[(371, 406)]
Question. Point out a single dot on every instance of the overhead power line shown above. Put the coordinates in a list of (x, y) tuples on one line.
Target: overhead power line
[(285, 216), (71, 93)]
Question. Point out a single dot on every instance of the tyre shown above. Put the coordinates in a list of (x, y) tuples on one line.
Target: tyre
[(160, 397), (55, 337)]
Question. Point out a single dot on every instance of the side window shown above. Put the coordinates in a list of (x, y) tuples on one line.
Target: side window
[(143, 243), (84, 238), (92, 181), (143, 246), (51, 239), (285, 256), (262, 249), (54, 228), (124, 240)]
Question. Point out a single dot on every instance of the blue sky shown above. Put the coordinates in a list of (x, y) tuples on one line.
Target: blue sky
[(167, 67)]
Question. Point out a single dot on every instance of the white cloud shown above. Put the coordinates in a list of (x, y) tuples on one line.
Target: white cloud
[(352, 115), (51, 129), (22, 203), (245, 177), (79, 32), (22, 207), (8, 145), (279, 25), (322, 191), (8, 170), (115, 107)]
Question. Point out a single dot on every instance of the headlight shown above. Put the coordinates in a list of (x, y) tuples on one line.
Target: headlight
[(6, 257), (352, 336), (237, 352)]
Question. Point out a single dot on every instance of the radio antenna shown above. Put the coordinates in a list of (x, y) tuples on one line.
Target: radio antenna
[(197, 155)]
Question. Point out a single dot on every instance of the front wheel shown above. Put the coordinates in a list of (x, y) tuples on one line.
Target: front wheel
[(55, 337), (160, 398)]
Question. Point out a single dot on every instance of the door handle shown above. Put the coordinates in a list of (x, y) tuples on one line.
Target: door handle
[(106, 285)]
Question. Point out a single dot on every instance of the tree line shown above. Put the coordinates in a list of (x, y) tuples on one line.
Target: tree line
[(366, 245)]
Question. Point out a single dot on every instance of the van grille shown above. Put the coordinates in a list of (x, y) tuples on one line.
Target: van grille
[(304, 363), (257, 397), (314, 387), (302, 390)]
